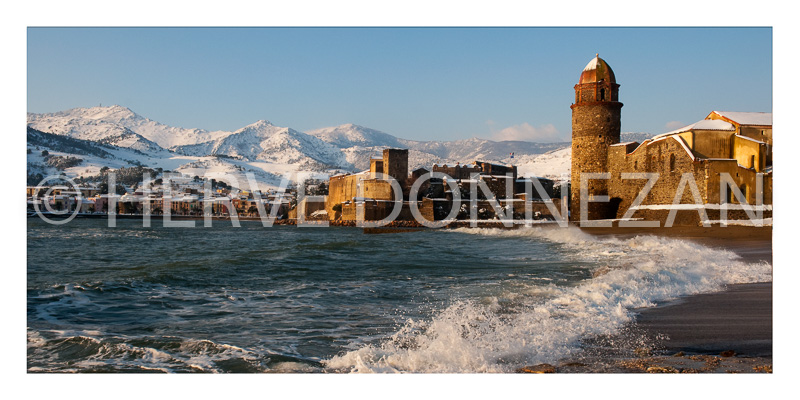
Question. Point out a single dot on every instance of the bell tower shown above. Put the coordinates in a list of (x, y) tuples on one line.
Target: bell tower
[(595, 126)]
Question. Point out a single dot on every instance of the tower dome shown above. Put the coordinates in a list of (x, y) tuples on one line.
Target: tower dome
[(597, 70)]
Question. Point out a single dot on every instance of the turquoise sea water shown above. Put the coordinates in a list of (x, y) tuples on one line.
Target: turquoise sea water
[(288, 299)]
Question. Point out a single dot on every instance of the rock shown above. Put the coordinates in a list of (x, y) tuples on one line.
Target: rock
[(662, 370), (763, 368), (727, 353), (642, 352), (573, 364), (538, 369), (679, 354)]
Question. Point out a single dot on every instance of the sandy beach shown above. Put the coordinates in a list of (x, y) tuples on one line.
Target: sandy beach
[(728, 331)]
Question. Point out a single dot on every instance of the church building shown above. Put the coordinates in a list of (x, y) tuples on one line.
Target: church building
[(721, 163)]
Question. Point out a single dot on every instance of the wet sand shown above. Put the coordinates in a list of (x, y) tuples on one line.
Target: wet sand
[(738, 319)]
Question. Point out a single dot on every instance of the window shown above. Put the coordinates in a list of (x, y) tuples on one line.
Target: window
[(602, 94), (672, 162), (753, 161)]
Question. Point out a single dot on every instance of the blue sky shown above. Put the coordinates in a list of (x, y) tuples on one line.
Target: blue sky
[(415, 83)]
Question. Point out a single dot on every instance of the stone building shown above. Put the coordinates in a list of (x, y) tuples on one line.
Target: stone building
[(725, 153), (367, 196), (367, 188), (595, 125)]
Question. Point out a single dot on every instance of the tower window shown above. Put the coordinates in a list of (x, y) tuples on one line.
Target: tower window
[(602, 94), (672, 162)]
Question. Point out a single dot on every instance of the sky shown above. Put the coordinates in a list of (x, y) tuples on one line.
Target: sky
[(416, 83)]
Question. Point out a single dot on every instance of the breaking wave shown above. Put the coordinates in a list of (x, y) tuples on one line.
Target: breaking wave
[(543, 322), (88, 351)]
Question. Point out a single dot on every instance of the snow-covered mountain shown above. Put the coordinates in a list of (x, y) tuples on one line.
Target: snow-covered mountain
[(96, 123), (271, 151), (350, 135), (266, 142), (359, 143)]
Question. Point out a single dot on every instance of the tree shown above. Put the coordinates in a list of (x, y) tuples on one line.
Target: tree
[(29, 151), (322, 189), (45, 153)]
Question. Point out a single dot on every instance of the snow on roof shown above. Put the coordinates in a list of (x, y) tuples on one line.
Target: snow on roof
[(592, 64), (685, 147), (706, 124), (748, 138), (747, 118)]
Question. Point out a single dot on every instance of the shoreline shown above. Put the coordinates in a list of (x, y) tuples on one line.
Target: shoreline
[(729, 331)]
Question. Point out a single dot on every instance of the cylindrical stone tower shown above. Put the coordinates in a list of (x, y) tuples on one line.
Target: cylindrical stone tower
[(595, 126)]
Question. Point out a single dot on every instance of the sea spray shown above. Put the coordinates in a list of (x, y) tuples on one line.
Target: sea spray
[(284, 299), (637, 272)]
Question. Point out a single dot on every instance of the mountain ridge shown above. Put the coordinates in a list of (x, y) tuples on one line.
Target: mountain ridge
[(273, 150)]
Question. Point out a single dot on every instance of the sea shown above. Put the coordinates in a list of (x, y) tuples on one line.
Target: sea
[(255, 299)]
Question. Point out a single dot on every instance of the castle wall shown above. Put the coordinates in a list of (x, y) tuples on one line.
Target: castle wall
[(458, 171), (395, 164), (341, 188), (377, 189), (375, 167)]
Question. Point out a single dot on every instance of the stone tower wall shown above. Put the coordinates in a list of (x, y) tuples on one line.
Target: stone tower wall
[(395, 164), (595, 126)]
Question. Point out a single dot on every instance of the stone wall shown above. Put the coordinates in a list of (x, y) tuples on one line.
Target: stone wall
[(458, 171), (395, 164), (668, 158), (595, 126)]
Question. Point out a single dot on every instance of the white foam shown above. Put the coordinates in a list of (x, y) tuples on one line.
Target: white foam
[(472, 336)]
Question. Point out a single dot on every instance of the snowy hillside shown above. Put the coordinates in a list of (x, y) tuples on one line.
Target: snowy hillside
[(96, 123), (556, 164), (350, 135), (356, 140), (115, 136), (267, 142), (634, 137), (553, 165)]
